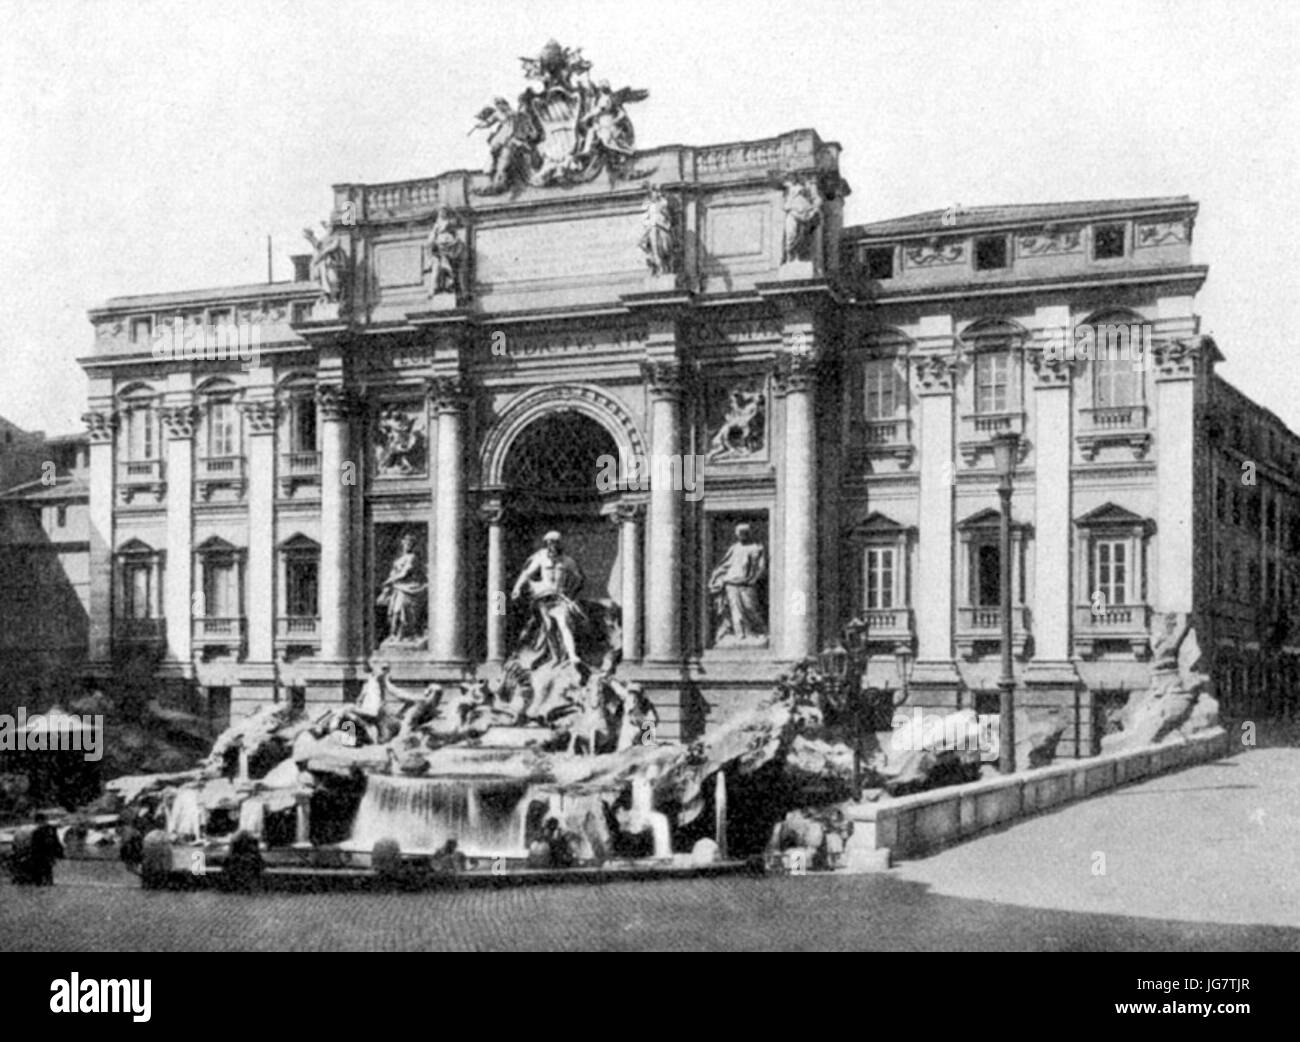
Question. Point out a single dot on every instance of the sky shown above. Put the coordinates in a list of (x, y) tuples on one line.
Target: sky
[(152, 146)]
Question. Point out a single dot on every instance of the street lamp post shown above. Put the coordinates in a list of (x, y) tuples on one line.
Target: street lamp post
[(1005, 448)]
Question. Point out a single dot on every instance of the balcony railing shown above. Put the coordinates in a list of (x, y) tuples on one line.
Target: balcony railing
[(1116, 622), (219, 630), (889, 626), (298, 630), (979, 429), (139, 472), (1117, 417), (217, 472), (1120, 425), (228, 468), (140, 631), (140, 476), (298, 468), (983, 623)]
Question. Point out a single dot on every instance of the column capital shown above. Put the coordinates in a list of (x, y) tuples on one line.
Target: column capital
[(936, 373), (260, 414), (335, 401), (1051, 370), (180, 421), (797, 368), (492, 512), (623, 511), (450, 393), (666, 378), (1185, 359), (99, 426)]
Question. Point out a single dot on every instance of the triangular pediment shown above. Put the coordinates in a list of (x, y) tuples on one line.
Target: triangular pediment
[(216, 545), (298, 541), (1111, 514), (986, 518), (877, 524), (136, 546)]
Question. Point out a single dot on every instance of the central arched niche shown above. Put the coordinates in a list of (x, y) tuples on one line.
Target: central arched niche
[(551, 480)]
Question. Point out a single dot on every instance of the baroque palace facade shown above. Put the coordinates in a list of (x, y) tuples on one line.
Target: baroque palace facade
[(288, 480)]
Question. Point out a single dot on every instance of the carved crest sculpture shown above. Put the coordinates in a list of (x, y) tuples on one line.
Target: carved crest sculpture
[(564, 133)]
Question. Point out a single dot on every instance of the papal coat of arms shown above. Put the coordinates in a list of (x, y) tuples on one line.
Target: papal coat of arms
[(564, 133)]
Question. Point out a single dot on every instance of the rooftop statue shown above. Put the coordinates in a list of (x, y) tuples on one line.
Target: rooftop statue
[(328, 263), (564, 133)]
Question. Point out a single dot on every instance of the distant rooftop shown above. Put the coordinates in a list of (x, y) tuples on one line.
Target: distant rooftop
[(65, 487), (964, 217)]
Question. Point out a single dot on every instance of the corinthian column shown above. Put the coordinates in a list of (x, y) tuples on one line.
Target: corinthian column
[(447, 627), (796, 382), (178, 605), (628, 518), (259, 585), (492, 514), (663, 577), (338, 479), (99, 431)]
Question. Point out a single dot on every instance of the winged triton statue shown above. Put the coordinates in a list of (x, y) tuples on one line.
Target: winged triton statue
[(564, 131)]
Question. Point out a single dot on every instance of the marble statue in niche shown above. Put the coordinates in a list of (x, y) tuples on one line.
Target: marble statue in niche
[(735, 588), (403, 595)]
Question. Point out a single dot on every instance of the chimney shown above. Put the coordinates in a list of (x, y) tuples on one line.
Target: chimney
[(301, 267)]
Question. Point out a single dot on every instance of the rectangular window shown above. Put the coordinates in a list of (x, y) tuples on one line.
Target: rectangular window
[(220, 588), (882, 392), (136, 590), (992, 381), (223, 429), (991, 253), (141, 330), (61, 516), (218, 708), (1110, 570), (302, 425), (986, 585), (141, 440), (1107, 241), (880, 575), (300, 586), (879, 262), (1116, 383)]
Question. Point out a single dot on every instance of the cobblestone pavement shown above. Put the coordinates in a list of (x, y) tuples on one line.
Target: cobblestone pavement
[(1191, 864)]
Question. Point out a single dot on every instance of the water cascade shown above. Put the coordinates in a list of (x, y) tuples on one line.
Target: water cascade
[(486, 816)]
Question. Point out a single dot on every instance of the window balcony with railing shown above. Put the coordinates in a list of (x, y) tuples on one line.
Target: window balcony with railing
[(1118, 623), (211, 631), (297, 469), (1122, 425), (297, 631), (889, 626), (140, 476), (980, 624), (978, 430), (211, 472)]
